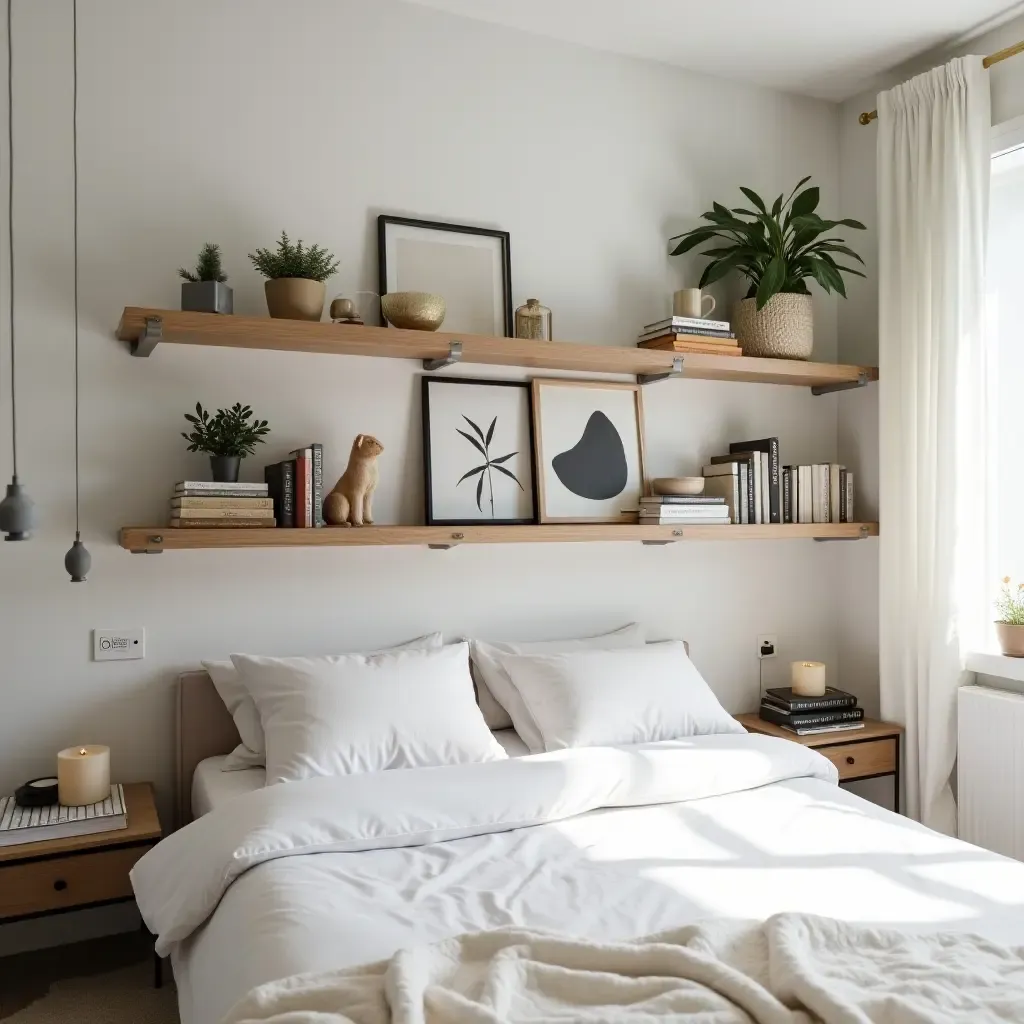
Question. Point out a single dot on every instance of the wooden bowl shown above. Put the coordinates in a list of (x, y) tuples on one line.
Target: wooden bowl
[(415, 311), (678, 485)]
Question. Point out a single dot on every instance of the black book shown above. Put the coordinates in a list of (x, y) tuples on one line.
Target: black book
[(280, 478), (789, 701), (748, 461), (770, 713), (787, 494), (769, 445), (844, 512), (318, 484)]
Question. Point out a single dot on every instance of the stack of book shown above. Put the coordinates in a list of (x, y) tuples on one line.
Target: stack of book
[(749, 480), (205, 505), (835, 711), (297, 487), (37, 824), (822, 493), (690, 334), (684, 511)]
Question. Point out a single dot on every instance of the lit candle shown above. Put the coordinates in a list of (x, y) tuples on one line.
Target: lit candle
[(83, 775), (808, 678)]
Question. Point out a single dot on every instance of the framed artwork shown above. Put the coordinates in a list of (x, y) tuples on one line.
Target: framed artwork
[(469, 267), (590, 451), (478, 452)]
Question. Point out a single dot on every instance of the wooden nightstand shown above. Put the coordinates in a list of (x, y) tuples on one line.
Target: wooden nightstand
[(869, 753), (58, 875)]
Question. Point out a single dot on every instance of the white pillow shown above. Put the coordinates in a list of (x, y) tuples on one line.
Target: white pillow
[(252, 751), (495, 692), (592, 698), (366, 713)]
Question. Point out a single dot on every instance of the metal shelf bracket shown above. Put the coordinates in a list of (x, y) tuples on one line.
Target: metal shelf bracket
[(653, 378), (828, 389), (144, 344), (865, 531), (677, 535), (150, 551), (456, 539), (454, 356)]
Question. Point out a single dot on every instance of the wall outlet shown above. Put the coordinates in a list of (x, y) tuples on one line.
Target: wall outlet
[(767, 646), (118, 644)]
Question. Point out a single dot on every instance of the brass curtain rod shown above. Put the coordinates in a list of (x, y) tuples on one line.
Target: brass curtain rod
[(1011, 51)]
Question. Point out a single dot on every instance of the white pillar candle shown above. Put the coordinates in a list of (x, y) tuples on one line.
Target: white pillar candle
[(83, 775), (808, 678)]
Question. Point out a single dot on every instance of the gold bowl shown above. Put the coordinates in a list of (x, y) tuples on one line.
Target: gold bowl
[(415, 311)]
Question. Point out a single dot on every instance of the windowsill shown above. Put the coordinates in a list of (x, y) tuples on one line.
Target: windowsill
[(996, 665)]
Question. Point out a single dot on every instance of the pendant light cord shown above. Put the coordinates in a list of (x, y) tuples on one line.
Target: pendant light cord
[(74, 176), (10, 232)]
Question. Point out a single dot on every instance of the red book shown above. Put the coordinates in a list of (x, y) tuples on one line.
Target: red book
[(303, 486)]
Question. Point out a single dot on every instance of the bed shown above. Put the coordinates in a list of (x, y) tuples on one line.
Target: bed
[(786, 839)]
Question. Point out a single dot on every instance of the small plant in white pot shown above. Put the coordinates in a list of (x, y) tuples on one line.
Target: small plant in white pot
[(777, 250), (295, 287), (1010, 624), (204, 290)]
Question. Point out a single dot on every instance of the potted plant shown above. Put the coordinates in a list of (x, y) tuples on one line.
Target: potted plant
[(227, 437), (777, 250), (295, 289), (204, 290), (1010, 624)]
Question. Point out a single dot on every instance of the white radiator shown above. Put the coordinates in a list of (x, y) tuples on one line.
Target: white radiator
[(990, 771)]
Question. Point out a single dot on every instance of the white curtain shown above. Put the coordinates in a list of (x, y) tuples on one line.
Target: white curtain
[(935, 482)]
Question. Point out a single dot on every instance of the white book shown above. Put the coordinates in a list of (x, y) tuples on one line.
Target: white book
[(766, 494), (656, 521), (688, 321), (850, 517), (826, 506), (758, 495), (726, 486), (806, 491), (816, 493), (255, 490), (37, 824), (709, 509), (744, 493), (794, 494), (815, 730)]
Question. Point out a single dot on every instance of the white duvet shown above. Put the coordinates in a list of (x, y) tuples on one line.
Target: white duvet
[(606, 844)]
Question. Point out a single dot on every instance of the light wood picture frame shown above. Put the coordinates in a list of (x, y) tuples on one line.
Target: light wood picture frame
[(589, 450)]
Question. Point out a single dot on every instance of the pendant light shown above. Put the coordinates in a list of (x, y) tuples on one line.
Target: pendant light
[(17, 513), (78, 560)]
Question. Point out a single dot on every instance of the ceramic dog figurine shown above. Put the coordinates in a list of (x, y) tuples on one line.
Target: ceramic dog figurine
[(350, 502)]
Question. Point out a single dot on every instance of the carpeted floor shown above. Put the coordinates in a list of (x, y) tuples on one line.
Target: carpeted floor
[(106, 981)]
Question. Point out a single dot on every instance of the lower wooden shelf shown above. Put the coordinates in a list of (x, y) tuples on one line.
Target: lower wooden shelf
[(153, 539)]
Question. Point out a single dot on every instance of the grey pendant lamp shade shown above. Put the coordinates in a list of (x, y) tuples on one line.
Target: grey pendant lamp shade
[(77, 561), (17, 513)]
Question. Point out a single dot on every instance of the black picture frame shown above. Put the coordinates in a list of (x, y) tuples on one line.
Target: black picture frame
[(383, 220), (425, 383)]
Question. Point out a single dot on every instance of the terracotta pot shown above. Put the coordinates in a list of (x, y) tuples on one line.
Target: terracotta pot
[(1011, 639), (783, 329), (295, 298)]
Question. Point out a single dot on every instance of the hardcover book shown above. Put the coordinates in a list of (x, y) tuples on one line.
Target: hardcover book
[(684, 499), (221, 502), (317, 451), (37, 824), (689, 321), (790, 701), (303, 487), (220, 524), (281, 480), (206, 486), (748, 461), (727, 485), (769, 447), (769, 713)]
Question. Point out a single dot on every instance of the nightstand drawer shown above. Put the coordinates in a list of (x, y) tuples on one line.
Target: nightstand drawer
[(855, 760), (59, 882)]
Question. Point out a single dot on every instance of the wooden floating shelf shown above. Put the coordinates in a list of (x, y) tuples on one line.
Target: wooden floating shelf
[(152, 539), (251, 332)]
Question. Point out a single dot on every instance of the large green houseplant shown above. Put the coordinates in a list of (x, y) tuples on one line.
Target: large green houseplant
[(295, 278), (778, 249)]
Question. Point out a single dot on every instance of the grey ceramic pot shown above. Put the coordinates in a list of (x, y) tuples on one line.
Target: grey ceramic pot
[(225, 468), (207, 297)]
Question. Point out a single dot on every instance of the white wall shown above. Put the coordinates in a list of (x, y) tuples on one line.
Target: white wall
[(227, 121)]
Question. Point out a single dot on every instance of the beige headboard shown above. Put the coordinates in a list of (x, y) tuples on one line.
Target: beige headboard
[(204, 729)]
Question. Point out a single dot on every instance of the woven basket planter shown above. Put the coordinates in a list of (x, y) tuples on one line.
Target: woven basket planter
[(783, 329)]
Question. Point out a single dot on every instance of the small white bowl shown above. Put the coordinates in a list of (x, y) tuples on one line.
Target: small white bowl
[(679, 485)]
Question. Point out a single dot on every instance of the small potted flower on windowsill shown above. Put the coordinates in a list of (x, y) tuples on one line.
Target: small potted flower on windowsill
[(227, 437), (204, 290), (1010, 624)]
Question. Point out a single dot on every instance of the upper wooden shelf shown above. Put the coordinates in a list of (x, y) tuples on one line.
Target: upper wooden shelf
[(160, 538), (168, 325)]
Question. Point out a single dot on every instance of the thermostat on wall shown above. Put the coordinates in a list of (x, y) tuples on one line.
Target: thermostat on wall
[(118, 644)]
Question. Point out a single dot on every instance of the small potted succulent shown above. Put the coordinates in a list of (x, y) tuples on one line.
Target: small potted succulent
[(227, 437), (777, 249), (296, 275), (1010, 624), (204, 290)]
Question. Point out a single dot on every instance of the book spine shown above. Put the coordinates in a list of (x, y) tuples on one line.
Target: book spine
[(843, 518), (746, 503), (220, 524), (774, 482), (689, 321), (834, 472), (683, 499), (232, 503), (758, 488), (769, 714), (826, 501), (766, 498), (787, 496), (288, 493), (318, 484), (203, 486), (207, 514), (697, 332), (735, 509), (696, 511), (850, 494), (303, 488), (223, 493), (800, 705)]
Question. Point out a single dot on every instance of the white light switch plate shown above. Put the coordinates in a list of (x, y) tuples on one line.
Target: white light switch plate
[(118, 644)]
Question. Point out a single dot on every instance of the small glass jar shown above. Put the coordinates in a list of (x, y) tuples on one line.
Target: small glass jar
[(533, 321)]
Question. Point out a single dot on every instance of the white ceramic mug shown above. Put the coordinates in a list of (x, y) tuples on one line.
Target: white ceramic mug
[(690, 302)]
